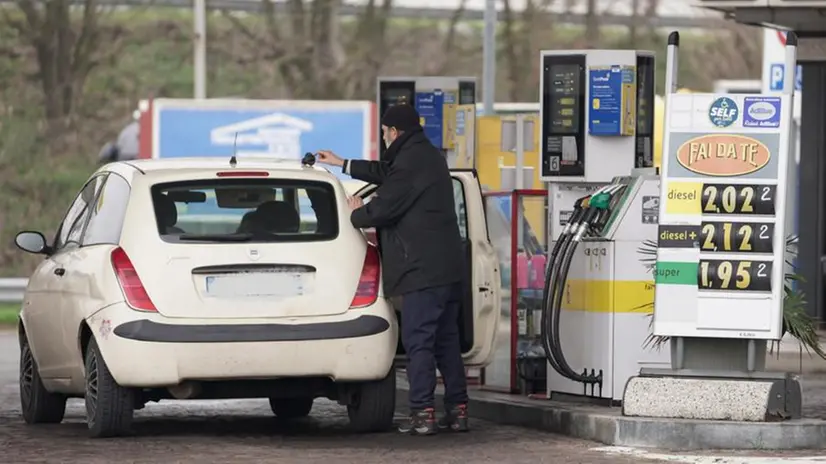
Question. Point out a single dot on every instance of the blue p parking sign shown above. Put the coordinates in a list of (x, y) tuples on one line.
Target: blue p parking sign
[(777, 74)]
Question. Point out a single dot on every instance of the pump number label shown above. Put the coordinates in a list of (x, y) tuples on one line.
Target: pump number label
[(737, 237), (734, 275), (738, 199)]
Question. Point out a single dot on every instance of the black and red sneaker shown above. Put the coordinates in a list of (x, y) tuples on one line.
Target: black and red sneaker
[(420, 422), (455, 419)]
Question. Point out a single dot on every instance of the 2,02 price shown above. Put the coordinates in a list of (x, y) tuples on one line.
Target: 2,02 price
[(734, 275), (738, 199)]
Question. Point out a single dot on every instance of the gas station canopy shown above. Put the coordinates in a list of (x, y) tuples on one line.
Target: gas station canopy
[(801, 16)]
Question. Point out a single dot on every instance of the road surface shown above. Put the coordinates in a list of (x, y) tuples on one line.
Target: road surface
[(245, 431)]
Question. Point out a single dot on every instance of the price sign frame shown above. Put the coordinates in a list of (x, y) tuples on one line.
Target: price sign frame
[(724, 180)]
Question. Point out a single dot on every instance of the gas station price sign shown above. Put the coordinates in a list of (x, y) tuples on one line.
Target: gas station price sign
[(738, 199), (722, 216), (737, 237), (726, 275)]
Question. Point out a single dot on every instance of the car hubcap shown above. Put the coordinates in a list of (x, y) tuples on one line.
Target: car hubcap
[(91, 387), (26, 376)]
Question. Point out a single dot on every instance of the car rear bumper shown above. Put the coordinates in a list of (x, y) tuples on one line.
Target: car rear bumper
[(149, 350)]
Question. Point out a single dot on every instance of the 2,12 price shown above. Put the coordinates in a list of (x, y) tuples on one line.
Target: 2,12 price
[(737, 237)]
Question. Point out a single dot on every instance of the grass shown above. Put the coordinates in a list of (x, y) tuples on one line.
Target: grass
[(8, 314)]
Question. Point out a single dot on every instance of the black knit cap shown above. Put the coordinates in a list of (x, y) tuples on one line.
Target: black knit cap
[(403, 117)]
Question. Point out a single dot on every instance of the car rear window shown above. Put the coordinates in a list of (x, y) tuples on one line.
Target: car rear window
[(245, 210)]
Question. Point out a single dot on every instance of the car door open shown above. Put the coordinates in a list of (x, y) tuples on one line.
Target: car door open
[(482, 289), (479, 317)]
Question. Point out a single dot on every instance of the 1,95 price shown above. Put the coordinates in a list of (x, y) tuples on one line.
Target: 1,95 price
[(732, 275), (738, 199), (737, 237)]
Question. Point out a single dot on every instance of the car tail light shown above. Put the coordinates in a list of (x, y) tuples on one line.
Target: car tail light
[(243, 174), (130, 283), (368, 288)]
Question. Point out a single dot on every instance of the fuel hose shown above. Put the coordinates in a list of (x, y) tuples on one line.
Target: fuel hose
[(545, 332), (550, 320), (593, 213), (562, 267)]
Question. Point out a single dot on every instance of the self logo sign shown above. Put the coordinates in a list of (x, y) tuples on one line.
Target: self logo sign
[(723, 112)]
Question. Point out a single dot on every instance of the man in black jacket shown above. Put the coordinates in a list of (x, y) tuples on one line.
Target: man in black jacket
[(422, 261)]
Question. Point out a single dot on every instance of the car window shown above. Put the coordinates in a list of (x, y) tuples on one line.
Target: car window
[(461, 209), (458, 201), (106, 216), (246, 210), (72, 226)]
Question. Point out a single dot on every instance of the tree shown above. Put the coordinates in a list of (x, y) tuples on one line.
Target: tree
[(318, 55), (304, 42), (66, 49), (522, 33)]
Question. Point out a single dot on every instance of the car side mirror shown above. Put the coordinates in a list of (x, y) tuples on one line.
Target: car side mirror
[(32, 242)]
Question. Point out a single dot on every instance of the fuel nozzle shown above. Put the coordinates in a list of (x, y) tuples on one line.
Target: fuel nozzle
[(600, 200)]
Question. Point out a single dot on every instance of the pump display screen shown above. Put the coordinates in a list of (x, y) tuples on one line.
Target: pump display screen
[(395, 96), (564, 108), (645, 95), (467, 92), (644, 157), (392, 93)]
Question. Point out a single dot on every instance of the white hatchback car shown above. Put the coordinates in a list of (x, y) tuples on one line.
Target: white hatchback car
[(194, 279)]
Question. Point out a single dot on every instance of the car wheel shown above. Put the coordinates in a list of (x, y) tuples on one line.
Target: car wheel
[(373, 405), (109, 407), (38, 405), (291, 408)]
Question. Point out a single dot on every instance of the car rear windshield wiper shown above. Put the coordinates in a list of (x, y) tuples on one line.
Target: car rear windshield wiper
[(237, 237)]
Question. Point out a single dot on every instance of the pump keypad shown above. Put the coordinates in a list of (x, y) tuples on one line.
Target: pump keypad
[(737, 237), (734, 275), (738, 199)]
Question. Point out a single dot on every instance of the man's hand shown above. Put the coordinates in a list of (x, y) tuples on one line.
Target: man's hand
[(328, 157), (355, 202)]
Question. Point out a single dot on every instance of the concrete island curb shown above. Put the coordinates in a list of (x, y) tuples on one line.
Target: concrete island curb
[(608, 426)]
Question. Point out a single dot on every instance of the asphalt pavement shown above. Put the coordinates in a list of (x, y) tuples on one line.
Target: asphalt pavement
[(246, 431)]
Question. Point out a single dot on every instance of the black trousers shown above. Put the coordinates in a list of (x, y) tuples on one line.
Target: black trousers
[(430, 335)]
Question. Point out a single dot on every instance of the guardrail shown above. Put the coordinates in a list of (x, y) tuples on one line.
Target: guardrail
[(11, 290)]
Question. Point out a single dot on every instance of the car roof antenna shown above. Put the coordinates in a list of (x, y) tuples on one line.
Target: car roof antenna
[(233, 161)]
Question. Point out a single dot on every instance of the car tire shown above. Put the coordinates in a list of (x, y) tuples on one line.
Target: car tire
[(291, 408), (37, 404), (373, 405), (109, 407)]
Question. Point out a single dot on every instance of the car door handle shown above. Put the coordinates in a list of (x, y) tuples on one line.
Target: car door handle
[(484, 289), (59, 271)]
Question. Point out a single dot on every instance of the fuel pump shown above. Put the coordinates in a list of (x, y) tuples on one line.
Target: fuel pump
[(442, 102), (597, 117)]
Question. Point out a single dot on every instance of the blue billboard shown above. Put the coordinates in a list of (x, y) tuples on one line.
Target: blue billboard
[(261, 128)]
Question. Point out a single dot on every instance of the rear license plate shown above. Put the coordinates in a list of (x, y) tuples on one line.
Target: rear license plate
[(260, 284)]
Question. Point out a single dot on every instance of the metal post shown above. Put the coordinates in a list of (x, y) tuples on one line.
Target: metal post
[(672, 63), (791, 65), (199, 68), (751, 356), (519, 182), (489, 57), (520, 152)]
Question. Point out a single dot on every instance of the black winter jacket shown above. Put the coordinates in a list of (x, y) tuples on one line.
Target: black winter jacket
[(414, 215)]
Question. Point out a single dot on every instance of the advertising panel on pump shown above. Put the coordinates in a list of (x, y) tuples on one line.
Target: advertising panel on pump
[(721, 239)]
